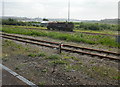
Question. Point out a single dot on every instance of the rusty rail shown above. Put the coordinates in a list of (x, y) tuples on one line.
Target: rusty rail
[(65, 45), (40, 42)]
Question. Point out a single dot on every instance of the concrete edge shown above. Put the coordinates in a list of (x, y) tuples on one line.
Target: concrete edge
[(18, 76)]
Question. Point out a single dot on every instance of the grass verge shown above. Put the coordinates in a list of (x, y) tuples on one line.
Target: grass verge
[(75, 37)]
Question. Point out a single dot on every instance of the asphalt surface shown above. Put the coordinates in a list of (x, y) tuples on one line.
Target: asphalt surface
[(11, 80), (8, 79)]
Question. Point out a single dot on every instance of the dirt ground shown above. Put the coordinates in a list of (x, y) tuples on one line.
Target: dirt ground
[(45, 66)]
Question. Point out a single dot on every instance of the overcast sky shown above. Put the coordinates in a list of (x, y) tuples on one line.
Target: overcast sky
[(79, 9)]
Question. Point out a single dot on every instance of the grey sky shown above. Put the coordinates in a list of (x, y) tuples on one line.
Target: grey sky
[(80, 9)]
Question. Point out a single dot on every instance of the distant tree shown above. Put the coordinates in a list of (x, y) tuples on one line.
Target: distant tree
[(44, 19), (11, 20)]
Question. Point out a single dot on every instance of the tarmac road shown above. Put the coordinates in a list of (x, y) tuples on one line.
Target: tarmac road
[(12, 79)]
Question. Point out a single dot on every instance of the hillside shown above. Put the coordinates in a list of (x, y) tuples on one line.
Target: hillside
[(106, 21), (109, 21)]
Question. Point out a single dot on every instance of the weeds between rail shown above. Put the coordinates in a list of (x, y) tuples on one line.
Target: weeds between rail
[(69, 50)]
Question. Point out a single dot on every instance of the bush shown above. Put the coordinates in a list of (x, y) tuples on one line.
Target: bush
[(95, 26), (11, 21)]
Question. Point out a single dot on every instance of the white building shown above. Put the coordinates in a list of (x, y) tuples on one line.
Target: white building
[(44, 23)]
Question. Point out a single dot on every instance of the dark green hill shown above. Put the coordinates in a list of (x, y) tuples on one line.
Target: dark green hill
[(109, 21)]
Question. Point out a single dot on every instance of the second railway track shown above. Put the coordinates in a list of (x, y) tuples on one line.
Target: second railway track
[(65, 47)]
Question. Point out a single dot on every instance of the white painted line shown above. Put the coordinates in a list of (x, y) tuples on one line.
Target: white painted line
[(26, 81), (18, 76), (7, 69)]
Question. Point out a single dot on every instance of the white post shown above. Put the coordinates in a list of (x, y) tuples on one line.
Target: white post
[(68, 10), (3, 8)]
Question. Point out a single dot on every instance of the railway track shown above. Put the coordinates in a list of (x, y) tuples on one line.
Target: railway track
[(65, 47)]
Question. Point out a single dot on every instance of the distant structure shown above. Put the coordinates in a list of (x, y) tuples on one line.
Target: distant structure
[(44, 23), (44, 19), (61, 26)]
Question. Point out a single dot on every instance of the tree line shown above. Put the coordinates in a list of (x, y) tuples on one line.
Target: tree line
[(11, 21), (78, 25)]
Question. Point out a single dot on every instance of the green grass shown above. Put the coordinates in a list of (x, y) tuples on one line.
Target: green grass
[(19, 66), (101, 72), (71, 57), (12, 26), (36, 54), (32, 55), (116, 77), (75, 37), (54, 56), (41, 54), (44, 70), (98, 31), (59, 62), (72, 67), (41, 83)]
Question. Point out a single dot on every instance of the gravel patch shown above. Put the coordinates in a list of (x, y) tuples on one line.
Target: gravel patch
[(70, 69)]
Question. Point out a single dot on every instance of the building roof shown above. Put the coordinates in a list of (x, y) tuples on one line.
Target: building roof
[(45, 22)]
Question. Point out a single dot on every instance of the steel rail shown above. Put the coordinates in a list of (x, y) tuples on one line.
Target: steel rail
[(65, 45), (90, 49), (30, 42), (91, 54), (64, 49), (43, 41)]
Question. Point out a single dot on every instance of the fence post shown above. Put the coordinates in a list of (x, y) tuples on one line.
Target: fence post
[(60, 46)]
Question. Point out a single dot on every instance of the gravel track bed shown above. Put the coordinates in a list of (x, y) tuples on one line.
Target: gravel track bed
[(40, 70), (33, 68)]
